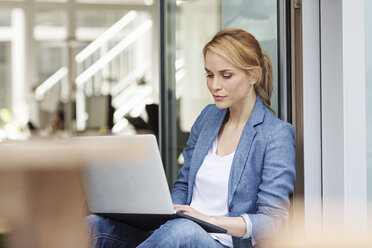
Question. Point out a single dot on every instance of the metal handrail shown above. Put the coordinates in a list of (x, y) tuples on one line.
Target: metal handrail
[(113, 52), (50, 82), (105, 36), (100, 64)]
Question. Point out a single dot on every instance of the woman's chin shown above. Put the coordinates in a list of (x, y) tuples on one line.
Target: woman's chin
[(221, 105)]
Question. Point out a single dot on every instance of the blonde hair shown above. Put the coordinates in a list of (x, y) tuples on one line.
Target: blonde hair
[(242, 50)]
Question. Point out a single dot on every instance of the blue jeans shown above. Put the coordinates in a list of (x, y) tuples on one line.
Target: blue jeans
[(174, 233)]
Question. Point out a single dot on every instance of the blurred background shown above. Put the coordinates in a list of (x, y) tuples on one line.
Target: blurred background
[(118, 67), (91, 67)]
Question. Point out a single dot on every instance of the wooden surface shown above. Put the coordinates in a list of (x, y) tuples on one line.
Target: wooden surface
[(42, 204), (43, 208), (65, 154)]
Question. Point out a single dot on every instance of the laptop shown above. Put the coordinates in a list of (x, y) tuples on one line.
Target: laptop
[(132, 189)]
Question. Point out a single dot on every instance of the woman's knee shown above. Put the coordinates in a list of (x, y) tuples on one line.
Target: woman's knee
[(104, 232), (184, 228), (93, 219), (176, 233), (181, 232), (96, 224)]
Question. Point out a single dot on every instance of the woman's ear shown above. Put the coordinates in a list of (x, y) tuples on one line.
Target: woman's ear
[(254, 79), (253, 76)]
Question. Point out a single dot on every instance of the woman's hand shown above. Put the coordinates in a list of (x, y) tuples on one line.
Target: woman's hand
[(235, 226), (186, 209)]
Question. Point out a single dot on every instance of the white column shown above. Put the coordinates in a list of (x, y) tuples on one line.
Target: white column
[(332, 113), (312, 116), (343, 115), (30, 60), (19, 105), (353, 38)]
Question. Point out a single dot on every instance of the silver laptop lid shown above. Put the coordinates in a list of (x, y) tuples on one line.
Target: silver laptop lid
[(131, 184)]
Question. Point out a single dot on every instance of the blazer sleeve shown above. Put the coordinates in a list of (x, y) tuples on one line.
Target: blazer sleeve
[(278, 177), (179, 192)]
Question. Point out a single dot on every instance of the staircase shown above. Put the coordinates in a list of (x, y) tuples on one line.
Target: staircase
[(113, 64)]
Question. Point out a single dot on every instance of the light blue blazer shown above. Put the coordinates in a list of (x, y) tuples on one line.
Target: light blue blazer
[(262, 175)]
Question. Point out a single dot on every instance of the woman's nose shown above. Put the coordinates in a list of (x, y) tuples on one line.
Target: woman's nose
[(216, 84)]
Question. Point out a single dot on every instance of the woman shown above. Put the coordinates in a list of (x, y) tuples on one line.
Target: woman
[(239, 162)]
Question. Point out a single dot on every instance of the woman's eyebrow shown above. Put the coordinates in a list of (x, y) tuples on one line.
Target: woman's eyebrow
[(222, 71), (226, 70)]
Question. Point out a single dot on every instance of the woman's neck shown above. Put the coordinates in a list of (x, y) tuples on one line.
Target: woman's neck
[(240, 114)]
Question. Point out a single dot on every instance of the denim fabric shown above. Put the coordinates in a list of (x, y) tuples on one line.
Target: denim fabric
[(262, 174), (182, 233), (105, 232)]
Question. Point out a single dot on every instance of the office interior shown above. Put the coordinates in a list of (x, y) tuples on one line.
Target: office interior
[(120, 67)]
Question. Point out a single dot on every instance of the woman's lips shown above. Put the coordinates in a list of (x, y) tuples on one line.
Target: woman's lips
[(218, 98)]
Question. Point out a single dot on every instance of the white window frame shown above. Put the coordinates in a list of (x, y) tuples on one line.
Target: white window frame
[(334, 115), (312, 116)]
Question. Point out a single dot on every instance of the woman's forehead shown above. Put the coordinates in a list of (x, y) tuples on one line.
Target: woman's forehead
[(216, 62)]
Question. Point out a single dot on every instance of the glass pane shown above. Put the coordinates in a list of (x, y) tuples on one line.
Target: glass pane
[(52, 1), (5, 15), (5, 76), (259, 17), (186, 92), (50, 25), (94, 18), (368, 28), (192, 94), (51, 18), (50, 33), (134, 2), (50, 57), (5, 61), (186, 75), (128, 76)]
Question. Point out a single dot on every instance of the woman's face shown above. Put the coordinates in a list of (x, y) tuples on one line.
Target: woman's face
[(229, 85)]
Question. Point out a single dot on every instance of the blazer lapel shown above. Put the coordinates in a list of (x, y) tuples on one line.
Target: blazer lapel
[(244, 147), (206, 137)]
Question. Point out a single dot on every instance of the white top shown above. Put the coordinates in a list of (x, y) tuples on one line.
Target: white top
[(210, 189)]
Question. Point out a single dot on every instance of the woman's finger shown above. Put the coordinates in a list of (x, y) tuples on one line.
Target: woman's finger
[(181, 208)]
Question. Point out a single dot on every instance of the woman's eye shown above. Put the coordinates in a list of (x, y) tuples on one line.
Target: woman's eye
[(226, 76), (209, 75)]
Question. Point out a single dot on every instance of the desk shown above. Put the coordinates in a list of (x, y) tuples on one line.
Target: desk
[(41, 195)]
